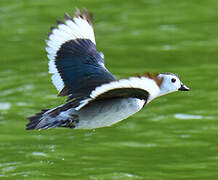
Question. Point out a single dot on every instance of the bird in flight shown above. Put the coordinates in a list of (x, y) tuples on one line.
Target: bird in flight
[(95, 98)]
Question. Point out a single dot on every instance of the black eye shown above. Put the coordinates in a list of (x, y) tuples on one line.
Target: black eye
[(173, 80)]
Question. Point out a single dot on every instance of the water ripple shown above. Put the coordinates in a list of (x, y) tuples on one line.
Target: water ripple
[(4, 106), (187, 116)]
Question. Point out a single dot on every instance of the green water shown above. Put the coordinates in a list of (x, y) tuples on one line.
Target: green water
[(136, 36)]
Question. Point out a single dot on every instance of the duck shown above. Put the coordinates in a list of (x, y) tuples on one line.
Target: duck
[(95, 98)]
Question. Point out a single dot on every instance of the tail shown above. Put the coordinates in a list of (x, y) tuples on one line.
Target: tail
[(50, 118)]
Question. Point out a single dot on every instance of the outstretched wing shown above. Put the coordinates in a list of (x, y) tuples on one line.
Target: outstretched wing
[(145, 88), (76, 65)]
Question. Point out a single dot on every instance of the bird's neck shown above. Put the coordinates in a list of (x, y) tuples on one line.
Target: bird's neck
[(164, 91)]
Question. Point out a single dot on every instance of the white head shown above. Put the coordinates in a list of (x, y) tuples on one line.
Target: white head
[(171, 83)]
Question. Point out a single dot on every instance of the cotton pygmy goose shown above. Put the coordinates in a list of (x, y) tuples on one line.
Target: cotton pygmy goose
[(95, 98)]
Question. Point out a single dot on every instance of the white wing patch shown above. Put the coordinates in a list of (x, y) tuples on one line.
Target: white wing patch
[(72, 29), (143, 83), (57, 81)]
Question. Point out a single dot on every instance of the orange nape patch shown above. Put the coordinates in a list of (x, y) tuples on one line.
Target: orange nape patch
[(153, 76)]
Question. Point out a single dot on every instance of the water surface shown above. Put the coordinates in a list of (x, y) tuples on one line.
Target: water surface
[(135, 36)]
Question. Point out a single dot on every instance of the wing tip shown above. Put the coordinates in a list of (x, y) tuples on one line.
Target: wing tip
[(88, 16), (67, 16), (77, 13)]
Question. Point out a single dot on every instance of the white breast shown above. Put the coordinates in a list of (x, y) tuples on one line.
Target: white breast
[(107, 112)]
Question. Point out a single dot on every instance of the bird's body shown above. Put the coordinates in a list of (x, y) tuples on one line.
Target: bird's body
[(107, 113), (95, 98)]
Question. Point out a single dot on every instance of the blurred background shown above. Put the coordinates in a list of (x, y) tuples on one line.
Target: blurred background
[(174, 137)]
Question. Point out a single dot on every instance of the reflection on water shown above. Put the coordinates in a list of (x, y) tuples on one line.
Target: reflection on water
[(5, 105), (187, 116), (115, 176), (39, 154)]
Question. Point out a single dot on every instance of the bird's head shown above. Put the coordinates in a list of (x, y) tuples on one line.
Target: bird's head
[(171, 83)]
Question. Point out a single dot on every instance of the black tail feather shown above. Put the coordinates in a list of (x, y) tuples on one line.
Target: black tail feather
[(34, 120), (64, 115), (69, 123), (61, 116)]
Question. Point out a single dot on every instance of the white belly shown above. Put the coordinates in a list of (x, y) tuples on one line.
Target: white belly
[(105, 113)]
